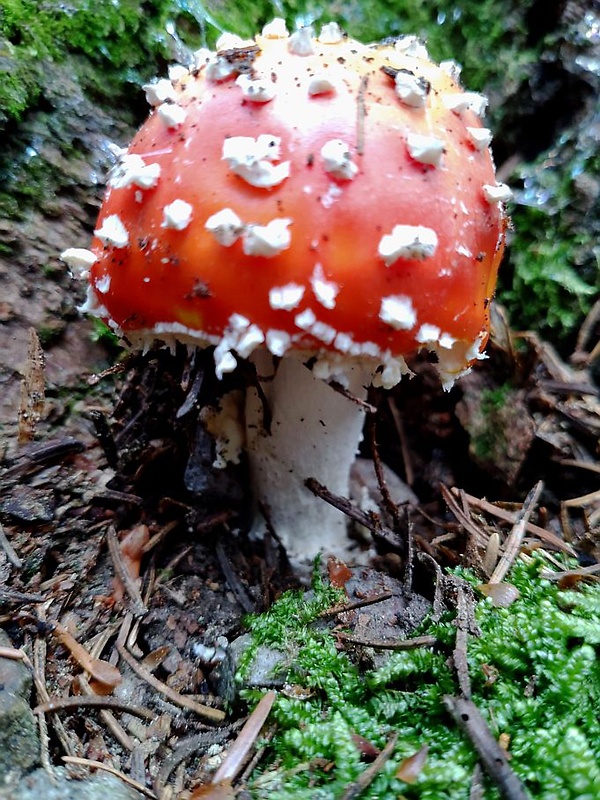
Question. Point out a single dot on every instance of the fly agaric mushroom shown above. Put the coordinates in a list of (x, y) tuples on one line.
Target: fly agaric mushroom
[(321, 207)]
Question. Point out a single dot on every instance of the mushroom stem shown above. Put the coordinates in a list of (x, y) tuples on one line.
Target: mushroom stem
[(314, 432)]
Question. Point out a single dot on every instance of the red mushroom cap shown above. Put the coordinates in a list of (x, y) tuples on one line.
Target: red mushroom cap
[(314, 194)]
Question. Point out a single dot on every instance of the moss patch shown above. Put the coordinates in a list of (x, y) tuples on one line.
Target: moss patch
[(535, 677), (553, 272)]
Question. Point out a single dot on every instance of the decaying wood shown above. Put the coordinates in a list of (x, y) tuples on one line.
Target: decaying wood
[(33, 390)]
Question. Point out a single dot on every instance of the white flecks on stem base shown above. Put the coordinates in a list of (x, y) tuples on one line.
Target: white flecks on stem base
[(231, 41), (177, 215), (252, 159), (315, 432), (413, 242), (225, 226), (397, 311), (224, 422), (267, 240), (218, 68), (112, 232), (177, 72)]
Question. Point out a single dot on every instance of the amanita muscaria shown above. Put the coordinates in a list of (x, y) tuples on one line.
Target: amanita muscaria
[(320, 207)]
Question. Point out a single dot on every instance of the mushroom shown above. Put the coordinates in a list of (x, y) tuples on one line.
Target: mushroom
[(321, 207)]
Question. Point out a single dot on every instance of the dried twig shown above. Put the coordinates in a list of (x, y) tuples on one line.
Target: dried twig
[(582, 572), (465, 624), (464, 518), (369, 408), (371, 772), (11, 597), (238, 752), (93, 701), (581, 355), (469, 719), (583, 500), (515, 538), (36, 457), (109, 719), (186, 748), (160, 536), (368, 601), (509, 516), (39, 679), (409, 472), (138, 609), (388, 503), (9, 550), (233, 581), (214, 714), (15, 654), (368, 520), (392, 644), (85, 762)]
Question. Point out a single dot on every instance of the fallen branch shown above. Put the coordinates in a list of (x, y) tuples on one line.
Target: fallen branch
[(214, 714), (369, 775), (85, 762), (509, 516), (515, 538), (392, 644), (470, 720)]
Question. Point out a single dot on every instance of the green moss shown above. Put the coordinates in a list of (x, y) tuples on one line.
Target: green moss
[(122, 39), (492, 434), (489, 38), (553, 274), (102, 334), (535, 677)]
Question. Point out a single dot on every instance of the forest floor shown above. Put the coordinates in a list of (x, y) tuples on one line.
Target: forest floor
[(103, 541)]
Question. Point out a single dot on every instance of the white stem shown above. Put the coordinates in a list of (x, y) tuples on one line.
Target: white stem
[(315, 432)]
